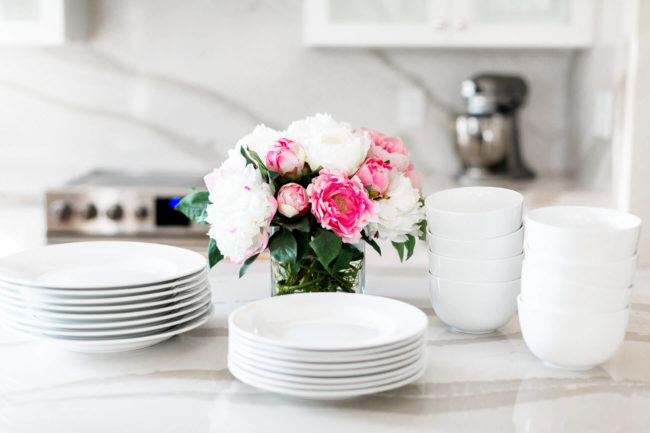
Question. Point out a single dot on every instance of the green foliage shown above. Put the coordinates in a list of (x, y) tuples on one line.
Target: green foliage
[(194, 206), (326, 245), (407, 247), (283, 246), (214, 254), (244, 268)]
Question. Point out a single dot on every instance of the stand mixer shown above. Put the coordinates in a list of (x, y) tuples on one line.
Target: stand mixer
[(486, 137)]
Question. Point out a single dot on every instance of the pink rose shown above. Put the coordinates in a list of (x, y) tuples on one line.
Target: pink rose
[(292, 200), (341, 204), (376, 173), (286, 157), (389, 149)]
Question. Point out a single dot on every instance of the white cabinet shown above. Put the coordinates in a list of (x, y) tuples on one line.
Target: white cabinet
[(41, 22), (449, 23)]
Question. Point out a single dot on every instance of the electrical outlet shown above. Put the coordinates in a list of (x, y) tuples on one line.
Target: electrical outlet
[(411, 103), (603, 114)]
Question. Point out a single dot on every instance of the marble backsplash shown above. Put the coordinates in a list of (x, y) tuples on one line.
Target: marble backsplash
[(171, 85)]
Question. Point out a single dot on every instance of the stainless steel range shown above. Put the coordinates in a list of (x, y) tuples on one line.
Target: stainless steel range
[(120, 205)]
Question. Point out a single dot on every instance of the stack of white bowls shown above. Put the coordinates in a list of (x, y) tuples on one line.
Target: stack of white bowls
[(327, 345), (104, 296), (475, 241), (576, 283)]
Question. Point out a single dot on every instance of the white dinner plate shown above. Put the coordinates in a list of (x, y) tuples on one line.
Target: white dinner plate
[(53, 294), (100, 264), (104, 312), (326, 360), (119, 344), (39, 322), (326, 372), (106, 333), (328, 321), (117, 301), (327, 392)]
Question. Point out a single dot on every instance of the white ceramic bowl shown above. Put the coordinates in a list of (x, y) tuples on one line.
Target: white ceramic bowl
[(476, 212), (474, 308), (575, 341), (581, 233), (609, 275), (475, 270), (494, 248), (547, 291)]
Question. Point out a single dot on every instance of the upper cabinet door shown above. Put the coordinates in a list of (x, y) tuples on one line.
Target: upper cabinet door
[(381, 23), (522, 23)]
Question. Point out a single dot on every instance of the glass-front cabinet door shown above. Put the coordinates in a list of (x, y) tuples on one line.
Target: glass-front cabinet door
[(522, 23), (449, 23), (375, 22)]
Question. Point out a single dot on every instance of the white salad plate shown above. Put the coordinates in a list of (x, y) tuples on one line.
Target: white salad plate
[(117, 301), (53, 294), (331, 358), (35, 320), (332, 394), (88, 265), (101, 312), (328, 321), (87, 345), (107, 333)]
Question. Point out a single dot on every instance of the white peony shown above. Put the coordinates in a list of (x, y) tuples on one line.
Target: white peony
[(240, 210), (330, 144), (401, 212), (260, 140)]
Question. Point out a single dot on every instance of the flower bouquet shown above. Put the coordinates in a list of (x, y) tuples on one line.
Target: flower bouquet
[(313, 194)]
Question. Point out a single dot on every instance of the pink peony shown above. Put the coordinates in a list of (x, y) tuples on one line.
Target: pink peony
[(415, 178), (292, 200), (389, 149), (341, 204), (376, 173), (286, 157)]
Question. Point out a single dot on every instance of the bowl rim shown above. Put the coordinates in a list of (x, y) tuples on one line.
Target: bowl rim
[(633, 258), (511, 234), (516, 194), (431, 276), (530, 218), (568, 284), (461, 259), (569, 313)]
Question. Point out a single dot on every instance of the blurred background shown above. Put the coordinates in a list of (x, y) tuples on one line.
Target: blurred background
[(481, 91)]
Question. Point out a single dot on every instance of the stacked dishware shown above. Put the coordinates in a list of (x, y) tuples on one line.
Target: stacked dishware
[(104, 296), (475, 239), (327, 345), (576, 283)]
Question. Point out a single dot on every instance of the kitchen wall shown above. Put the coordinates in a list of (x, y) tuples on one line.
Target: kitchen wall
[(170, 84)]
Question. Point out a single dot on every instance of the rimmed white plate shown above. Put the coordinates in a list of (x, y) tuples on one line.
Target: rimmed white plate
[(102, 312), (120, 344), (106, 333), (310, 375), (35, 321), (117, 301), (335, 392), (100, 264), (53, 294), (328, 321), (325, 361), (301, 355)]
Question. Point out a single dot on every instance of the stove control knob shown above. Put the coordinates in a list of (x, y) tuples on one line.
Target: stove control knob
[(61, 209), (141, 213), (115, 212), (88, 212)]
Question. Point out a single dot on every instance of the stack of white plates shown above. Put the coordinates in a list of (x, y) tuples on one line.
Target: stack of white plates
[(104, 296), (327, 345)]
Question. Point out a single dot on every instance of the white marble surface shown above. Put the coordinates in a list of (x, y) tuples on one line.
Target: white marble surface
[(482, 384), (172, 85)]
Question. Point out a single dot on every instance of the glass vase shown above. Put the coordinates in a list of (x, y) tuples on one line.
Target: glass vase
[(310, 275)]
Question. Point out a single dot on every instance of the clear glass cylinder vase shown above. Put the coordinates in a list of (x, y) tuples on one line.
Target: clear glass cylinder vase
[(346, 273)]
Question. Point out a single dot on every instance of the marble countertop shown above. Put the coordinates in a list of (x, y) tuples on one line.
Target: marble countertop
[(489, 383)]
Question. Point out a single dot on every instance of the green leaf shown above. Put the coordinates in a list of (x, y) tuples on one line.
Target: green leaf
[(214, 254), (410, 246), (326, 245), (246, 265), (284, 247), (302, 225), (302, 241), (194, 206), (400, 250), (246, 157), (372, 243), (342, 260), (423, 230)]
